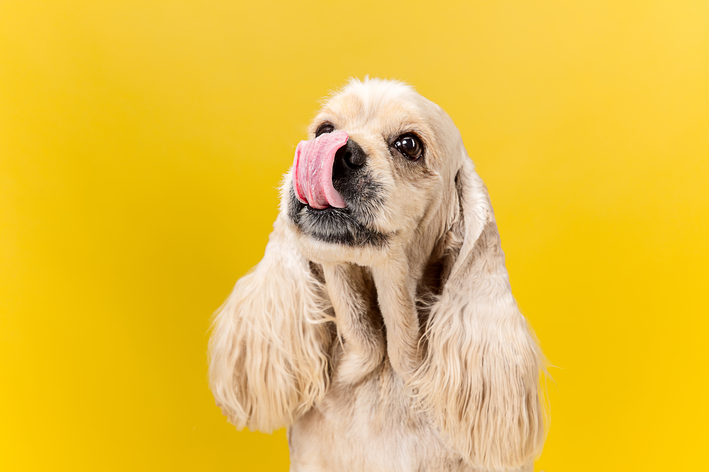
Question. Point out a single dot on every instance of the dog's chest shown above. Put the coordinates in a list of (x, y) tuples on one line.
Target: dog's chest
[(371, 426)]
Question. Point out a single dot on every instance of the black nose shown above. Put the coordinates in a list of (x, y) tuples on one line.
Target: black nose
[(348, 159)]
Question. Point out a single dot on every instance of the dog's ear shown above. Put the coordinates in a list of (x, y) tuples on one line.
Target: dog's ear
[(268, 357), (480, 373)]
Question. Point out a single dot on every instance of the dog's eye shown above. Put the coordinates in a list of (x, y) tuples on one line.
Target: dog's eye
[(409, 146), (324, 128)]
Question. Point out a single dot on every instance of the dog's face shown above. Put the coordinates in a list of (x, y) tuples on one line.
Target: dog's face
[(390, 173)]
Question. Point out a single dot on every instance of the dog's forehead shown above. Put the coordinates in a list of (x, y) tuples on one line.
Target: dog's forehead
[(380, 112), (376, 111)]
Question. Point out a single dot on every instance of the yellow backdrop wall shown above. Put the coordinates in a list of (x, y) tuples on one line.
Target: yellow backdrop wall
[(141, 144)]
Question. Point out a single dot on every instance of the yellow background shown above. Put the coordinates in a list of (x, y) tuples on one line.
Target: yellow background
[(141, 144)]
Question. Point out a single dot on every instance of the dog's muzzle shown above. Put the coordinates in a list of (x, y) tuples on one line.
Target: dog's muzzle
[(319, 161)]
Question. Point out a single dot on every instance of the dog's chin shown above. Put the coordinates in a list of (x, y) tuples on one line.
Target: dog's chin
[(334, 226)]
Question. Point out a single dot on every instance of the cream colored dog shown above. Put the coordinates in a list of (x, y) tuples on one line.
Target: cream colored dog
[(380, 327)]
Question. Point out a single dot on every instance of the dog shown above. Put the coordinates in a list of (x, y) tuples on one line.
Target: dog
[(380, 326)]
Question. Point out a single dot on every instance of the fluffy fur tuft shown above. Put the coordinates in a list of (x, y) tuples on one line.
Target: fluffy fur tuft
[(269, 348), (480, 375)]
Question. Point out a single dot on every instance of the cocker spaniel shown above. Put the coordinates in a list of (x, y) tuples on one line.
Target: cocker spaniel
[(380, 327)]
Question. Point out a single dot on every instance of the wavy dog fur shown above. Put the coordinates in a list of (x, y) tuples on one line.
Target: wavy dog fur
[(405, 355), (269, 354)]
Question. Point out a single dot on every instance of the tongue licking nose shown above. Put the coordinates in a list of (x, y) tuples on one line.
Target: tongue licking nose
[(312, 170)]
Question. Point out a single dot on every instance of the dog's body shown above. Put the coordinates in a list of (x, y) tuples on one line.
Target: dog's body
[(372, 426), (380, 325)]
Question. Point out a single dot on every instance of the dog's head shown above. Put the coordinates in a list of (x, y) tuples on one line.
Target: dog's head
[(379, 165)]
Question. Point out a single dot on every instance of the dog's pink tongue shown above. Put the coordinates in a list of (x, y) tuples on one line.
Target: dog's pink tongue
[(312, 170)]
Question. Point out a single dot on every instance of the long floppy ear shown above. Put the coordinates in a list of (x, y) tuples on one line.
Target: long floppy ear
[(268, 349), (480, 373)]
